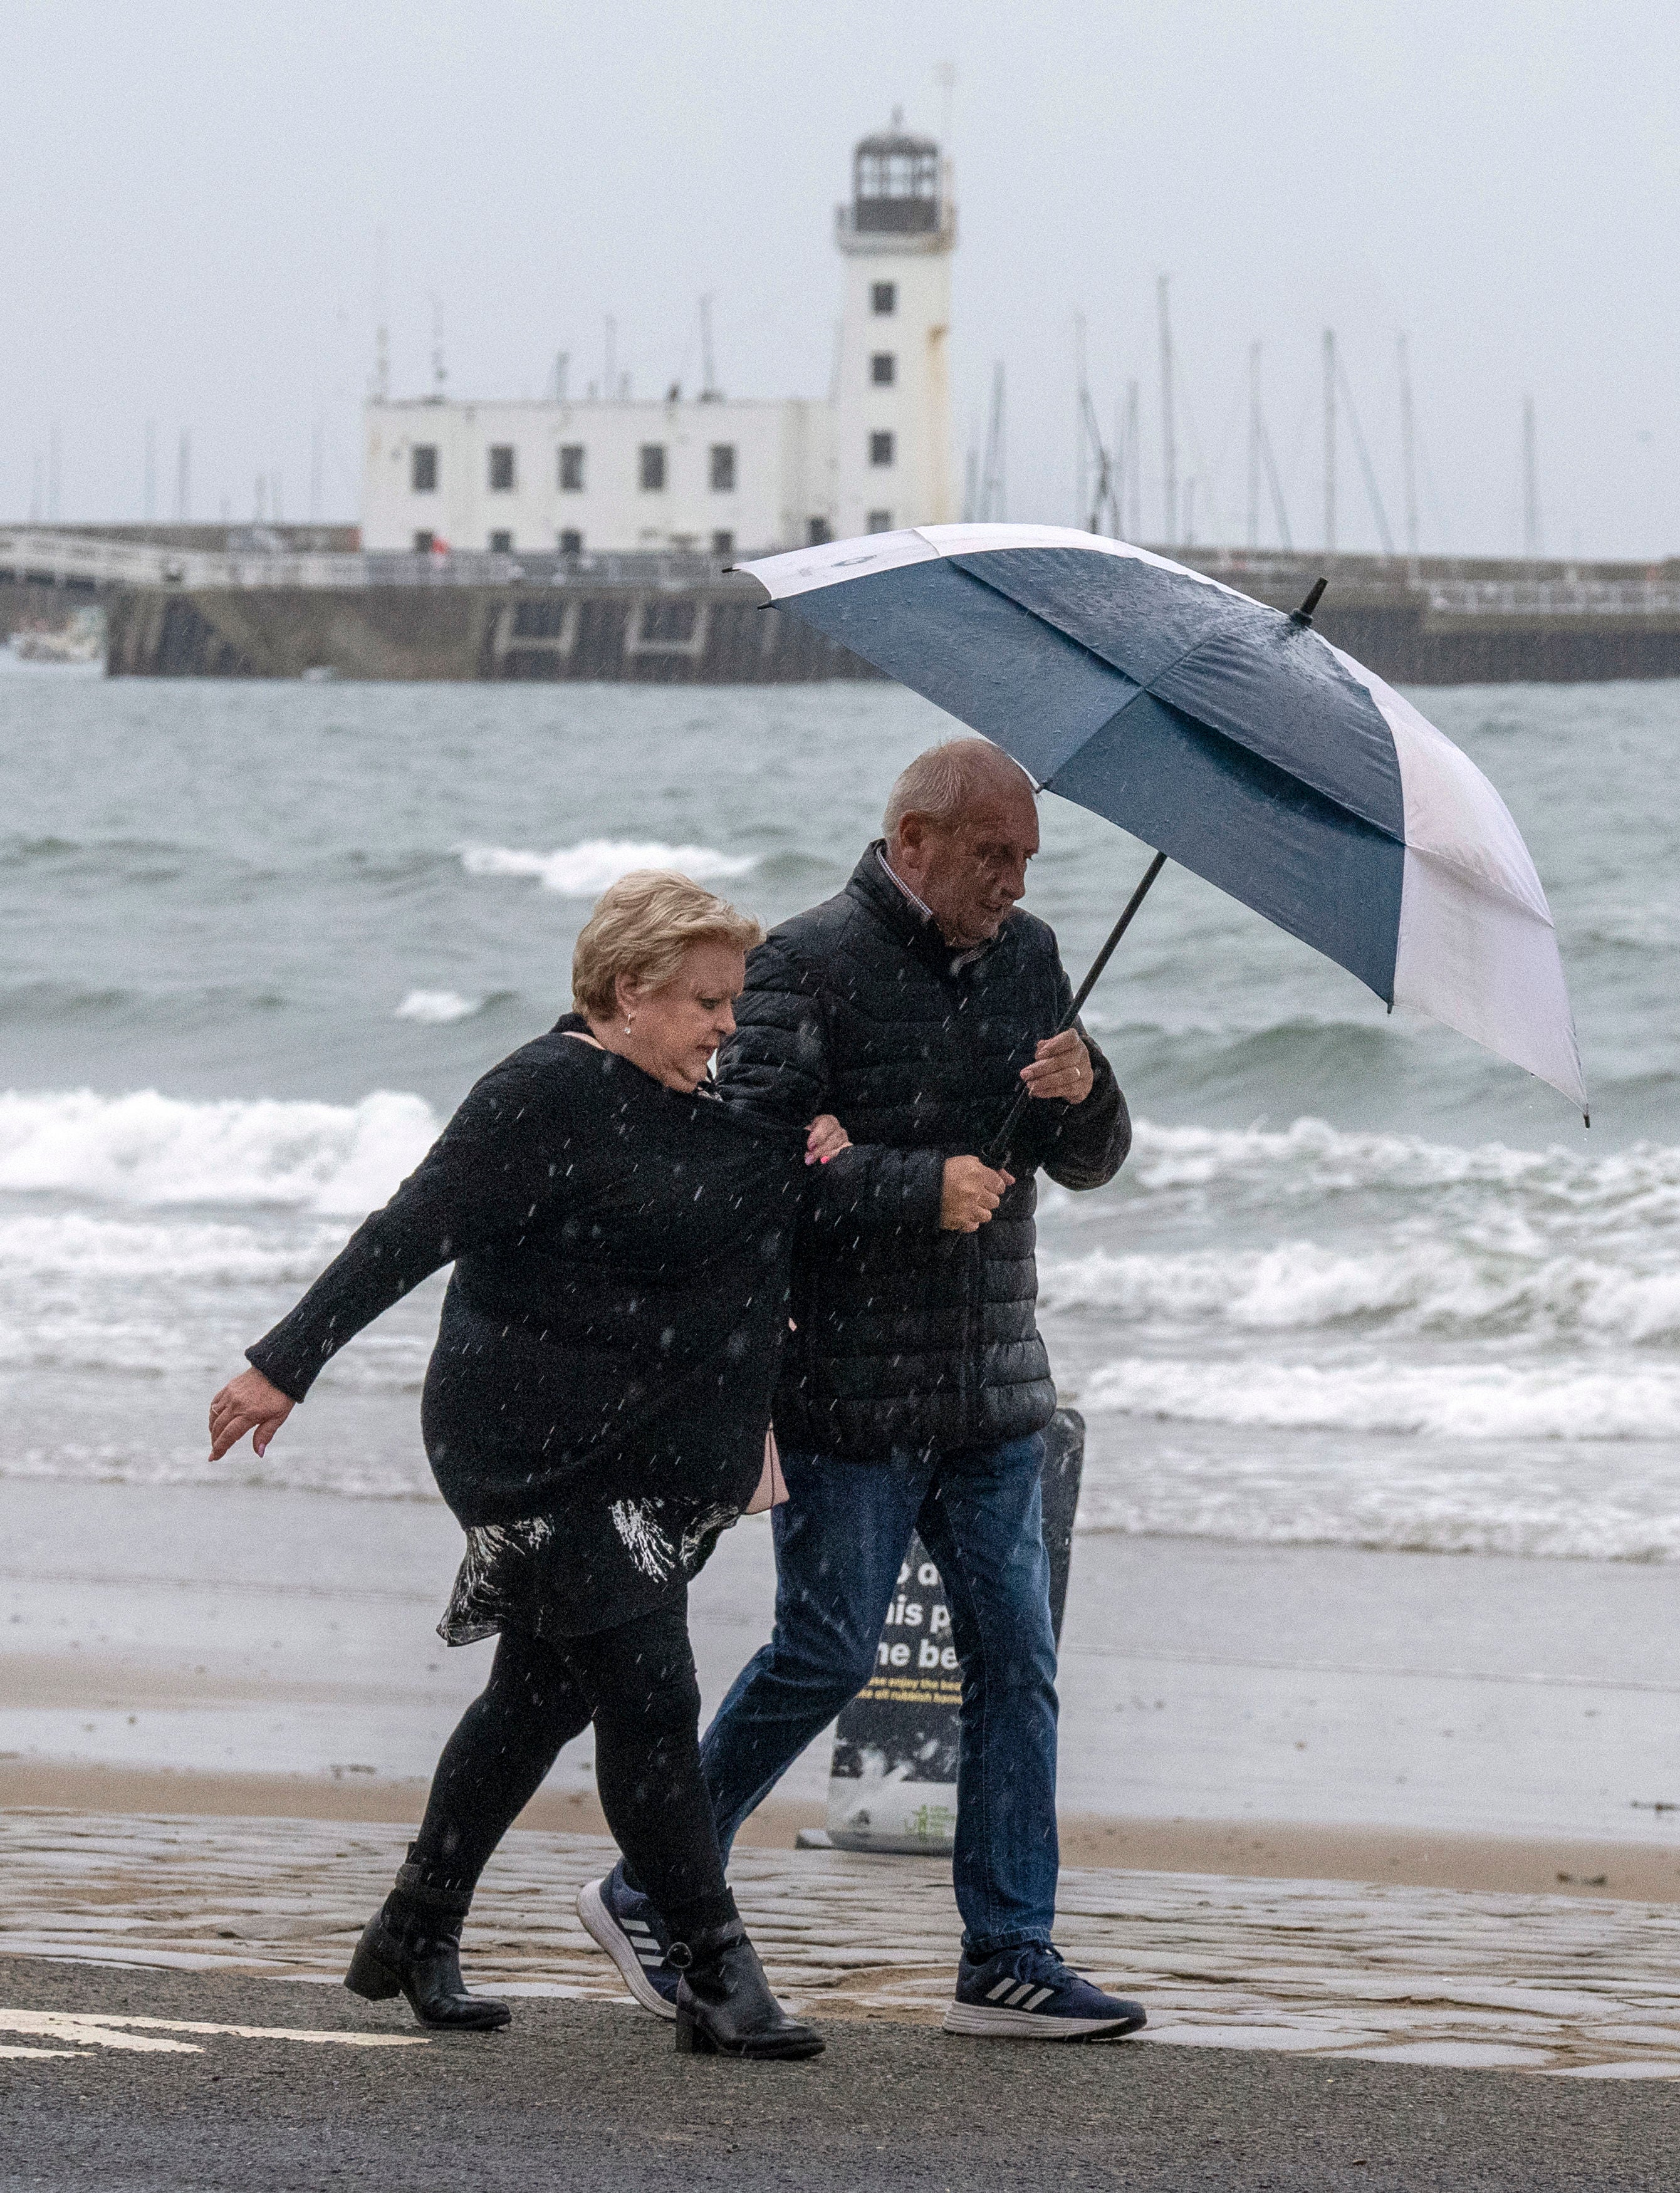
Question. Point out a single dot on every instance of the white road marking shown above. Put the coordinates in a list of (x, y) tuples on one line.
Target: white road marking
[(144, 2036)]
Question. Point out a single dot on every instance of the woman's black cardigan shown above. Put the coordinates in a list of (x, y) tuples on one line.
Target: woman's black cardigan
[(614, 1319)]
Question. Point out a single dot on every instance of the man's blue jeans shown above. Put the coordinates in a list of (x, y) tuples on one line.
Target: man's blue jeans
[(841, 1539)]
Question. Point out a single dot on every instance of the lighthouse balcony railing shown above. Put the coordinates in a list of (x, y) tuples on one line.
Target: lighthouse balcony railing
[(906, 224)]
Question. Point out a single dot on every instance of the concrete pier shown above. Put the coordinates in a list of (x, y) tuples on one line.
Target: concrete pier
[(705, 630), (276, 606)]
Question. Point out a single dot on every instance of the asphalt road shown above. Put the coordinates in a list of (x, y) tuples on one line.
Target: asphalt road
[(592, 2095)]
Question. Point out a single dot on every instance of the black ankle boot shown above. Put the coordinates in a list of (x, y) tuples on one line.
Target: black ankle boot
[(412, 1946), (725, 2006)]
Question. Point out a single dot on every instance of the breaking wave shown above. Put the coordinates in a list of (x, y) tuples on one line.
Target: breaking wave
[(1438, 1289), (583, 870), (436, 1008), (1312, 1160), (152, 1150), (1474, 1402)]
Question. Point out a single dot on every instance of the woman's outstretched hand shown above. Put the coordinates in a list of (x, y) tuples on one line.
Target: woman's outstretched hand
[(825, 1138), (249, 1402)]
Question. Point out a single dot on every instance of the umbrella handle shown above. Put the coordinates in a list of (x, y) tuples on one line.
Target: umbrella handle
[(998, 1149)]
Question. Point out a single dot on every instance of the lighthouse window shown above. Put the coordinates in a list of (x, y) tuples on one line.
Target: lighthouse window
[(880, 448), (501, 468), (883, 369), (572, 468), (883, 298), (652, 468), (879, 521), (722, 467), (423, 468)]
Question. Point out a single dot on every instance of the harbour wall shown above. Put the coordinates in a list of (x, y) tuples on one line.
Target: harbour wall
[(711, 635), (719, 634)]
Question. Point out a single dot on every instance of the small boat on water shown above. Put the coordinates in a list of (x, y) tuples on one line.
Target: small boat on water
[(81, 641)]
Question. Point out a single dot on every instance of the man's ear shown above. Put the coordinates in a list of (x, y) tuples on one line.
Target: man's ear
[(912, 837)]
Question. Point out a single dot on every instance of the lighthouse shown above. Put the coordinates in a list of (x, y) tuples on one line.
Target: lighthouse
[(892, 402)]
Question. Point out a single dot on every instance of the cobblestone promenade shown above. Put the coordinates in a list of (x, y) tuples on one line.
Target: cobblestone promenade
[(1402, 1975)]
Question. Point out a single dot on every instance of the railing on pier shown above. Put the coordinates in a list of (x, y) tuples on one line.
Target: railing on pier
[(61, 558), (1564, 597)]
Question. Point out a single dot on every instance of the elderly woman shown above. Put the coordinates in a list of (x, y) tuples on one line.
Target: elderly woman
[(595, 1412)]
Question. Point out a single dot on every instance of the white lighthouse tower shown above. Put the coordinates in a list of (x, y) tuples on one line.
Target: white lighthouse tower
[(892, 405)]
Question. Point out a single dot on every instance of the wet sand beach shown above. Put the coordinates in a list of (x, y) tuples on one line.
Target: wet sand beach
[(1269, 1711)]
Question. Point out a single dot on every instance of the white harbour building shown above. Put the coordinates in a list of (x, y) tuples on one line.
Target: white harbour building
[(710, 473)]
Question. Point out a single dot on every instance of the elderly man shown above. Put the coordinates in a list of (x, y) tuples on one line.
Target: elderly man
[(916, 1388)]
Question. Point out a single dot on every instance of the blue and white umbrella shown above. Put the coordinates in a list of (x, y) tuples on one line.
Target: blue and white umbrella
[(1230, 735)]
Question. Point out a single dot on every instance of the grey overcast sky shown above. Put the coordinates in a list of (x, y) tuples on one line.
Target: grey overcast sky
[(194, 188)]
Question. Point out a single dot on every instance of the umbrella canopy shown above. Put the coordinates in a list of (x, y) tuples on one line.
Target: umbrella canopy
[(1231, 737)]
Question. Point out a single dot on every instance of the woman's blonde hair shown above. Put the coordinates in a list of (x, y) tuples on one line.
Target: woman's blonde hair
[(640, 929)]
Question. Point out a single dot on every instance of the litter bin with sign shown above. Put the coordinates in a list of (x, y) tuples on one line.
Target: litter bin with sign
[(892, 1782)]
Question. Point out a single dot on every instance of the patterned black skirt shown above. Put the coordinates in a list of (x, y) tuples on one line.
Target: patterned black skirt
[(586, 1569)]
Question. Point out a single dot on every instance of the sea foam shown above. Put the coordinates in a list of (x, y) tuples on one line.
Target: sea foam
[(585, 870)]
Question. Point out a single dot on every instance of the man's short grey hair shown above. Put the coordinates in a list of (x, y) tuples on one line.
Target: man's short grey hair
[(940, 782)]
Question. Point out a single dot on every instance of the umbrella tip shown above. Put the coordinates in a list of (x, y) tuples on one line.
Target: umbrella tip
[(1303, 615)]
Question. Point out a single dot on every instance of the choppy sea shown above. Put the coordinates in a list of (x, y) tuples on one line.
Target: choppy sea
[(1359, 1283)]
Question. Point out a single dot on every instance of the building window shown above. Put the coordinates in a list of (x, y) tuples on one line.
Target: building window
[(423, 468), (722, 467), (879, 521), (571, 541), (572, 468), (883, 369), (424, 543), (501, 468), (723, 544), (501, 544), (817, 532), (883, 299), (652, 468), (880, 447)]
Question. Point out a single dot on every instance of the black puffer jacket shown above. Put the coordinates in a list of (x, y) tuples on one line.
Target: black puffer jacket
[(908, 1338)]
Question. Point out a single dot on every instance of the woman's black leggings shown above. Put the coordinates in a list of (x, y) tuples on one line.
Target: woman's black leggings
[(637, 1684)]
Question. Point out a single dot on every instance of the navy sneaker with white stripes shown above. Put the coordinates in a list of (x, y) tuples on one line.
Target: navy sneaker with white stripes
[(1028, 1994), (629, 1929)]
